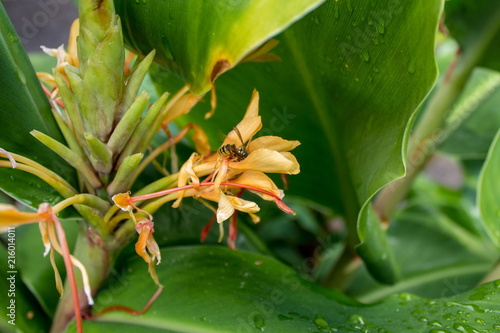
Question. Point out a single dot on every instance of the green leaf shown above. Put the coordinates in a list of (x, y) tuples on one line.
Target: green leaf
[(468, 19), (375, 249), (19, 310), (438, 243), (199, 40), (211, 289), (24, 108), (489, 192), (472, 135)]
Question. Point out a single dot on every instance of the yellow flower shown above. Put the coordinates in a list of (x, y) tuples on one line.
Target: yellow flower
[(239, 164)]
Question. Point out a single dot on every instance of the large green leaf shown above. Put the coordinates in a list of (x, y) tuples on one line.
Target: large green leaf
[(468, 19), (198, 40), (489, 192), (211, 289), (24, 107)]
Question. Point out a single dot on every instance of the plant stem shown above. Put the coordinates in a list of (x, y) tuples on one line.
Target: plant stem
[(93, 253), (429, 132)]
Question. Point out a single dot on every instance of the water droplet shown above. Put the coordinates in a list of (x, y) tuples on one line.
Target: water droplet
[(439, 330), (470, 307), (349, 7), (411, 67), (478, 296), (144, 1), (203, 318), (357, 319), (418, 312), (336, 10), (365, 55), (480, 321), (320, 322), (376, 69), (315, 19), (259, 322), (380, 26), (423, 319), (405, 296), (496, 284), (12, 178), (435, 323), (465, 328)]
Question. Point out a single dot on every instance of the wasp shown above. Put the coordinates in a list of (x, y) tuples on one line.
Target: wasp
[(235, 154)]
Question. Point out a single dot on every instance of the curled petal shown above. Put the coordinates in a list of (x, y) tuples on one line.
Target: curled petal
[(273, 143), (249, 125), (266, 160), (9, 156), (186, 173), (44, 230), (253, 107), (182, 106), (123, 201), (243, 205), (57, 275), (153, 249), (140, 247), (200, 139), (225, 208), (72, 44)]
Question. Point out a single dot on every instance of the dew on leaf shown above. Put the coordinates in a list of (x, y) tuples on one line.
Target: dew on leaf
[(320, 321), (259, 322), (465, 328)]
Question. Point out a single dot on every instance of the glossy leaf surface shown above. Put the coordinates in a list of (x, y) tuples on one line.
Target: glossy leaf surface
[(24, 108), (211, 289), (199, 40)]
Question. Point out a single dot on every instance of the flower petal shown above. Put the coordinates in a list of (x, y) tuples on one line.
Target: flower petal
[(249, 125), (182, 106), (243, 205), (10, 216), (225, 209), (267, 160), (260, 180), (273, 143), (247, 128)]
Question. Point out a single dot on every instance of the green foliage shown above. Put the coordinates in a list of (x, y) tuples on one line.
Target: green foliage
[(351, 77), (24, 108), (202, 282)]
